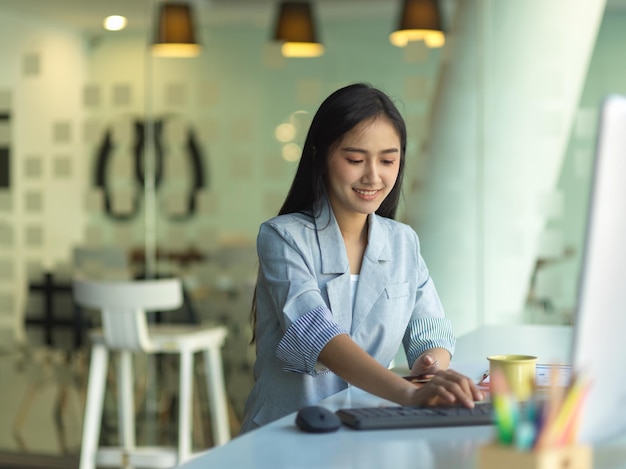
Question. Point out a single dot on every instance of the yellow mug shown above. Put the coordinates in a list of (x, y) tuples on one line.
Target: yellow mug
[(519, 371)]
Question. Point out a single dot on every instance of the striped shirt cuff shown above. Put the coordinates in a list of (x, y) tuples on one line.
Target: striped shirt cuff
[(304, 340), (427, 333)]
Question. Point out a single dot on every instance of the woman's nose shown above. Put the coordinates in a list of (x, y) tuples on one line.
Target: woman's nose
[(371, 172)]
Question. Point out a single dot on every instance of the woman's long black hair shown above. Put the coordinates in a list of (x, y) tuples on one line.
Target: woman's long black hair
[(338, 114)]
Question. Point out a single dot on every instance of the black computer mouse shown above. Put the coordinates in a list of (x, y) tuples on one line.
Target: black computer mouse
[(317, 419)]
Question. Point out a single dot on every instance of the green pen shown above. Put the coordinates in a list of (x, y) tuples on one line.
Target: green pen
[(506, 416)]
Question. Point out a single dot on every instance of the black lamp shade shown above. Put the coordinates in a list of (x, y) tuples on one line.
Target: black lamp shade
[(419, 20), (295, 28), (175, 31)]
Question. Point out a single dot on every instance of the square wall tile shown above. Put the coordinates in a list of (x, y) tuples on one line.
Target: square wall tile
[(417, 88), (208, 94), (92, 131), (240, 166), (175, 132), (33, 167), (5, 131), (207, 202), (242, 129), (274, 167), (272, 202), (7, 270), (62, 167), (416, 52), (93, 200), (33, 201), (309, 92), (7, 302), (209, 129), (123, 132), (123, 235), (61, 132), (122, 202), (6, 202), (34, 236), (34, 268), (122, 95), (94, 235), (176, 203), (6, 100), (175, 95), (92, 96), (272, 58), (31, 64), (6, 235)]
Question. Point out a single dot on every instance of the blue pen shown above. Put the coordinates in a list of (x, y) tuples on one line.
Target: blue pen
[(527, 428), (525, 435), (539, 417)]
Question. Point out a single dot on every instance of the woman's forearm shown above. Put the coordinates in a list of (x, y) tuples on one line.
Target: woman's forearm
[(351, 363)]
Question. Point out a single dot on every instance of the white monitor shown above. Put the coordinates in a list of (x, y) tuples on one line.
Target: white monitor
[(598, 348)]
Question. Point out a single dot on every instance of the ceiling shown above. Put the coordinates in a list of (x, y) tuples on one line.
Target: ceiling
[(87, 15)]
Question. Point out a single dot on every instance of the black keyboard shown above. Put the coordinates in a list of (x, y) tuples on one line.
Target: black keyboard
[(372, 418)]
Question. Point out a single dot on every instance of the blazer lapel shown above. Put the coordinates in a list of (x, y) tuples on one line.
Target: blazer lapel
[(333, 250), (374, 274), (334, 262)]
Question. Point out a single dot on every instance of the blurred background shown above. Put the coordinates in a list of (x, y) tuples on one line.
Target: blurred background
[(116, 163)]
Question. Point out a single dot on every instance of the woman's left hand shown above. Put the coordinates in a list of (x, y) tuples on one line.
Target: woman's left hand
[(425, 366)]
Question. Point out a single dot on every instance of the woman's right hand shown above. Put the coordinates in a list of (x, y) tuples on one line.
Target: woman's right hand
[(447, 387)]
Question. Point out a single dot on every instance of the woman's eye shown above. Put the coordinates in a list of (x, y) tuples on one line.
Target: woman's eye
[(389, 162), (354, 161)]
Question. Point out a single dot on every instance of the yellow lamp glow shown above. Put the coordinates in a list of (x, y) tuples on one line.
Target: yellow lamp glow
[(175, 32), (420, 20), (295, 28)]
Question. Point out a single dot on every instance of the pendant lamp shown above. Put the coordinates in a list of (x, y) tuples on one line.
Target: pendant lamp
[(295, 28), (175, 31), (420, 20)]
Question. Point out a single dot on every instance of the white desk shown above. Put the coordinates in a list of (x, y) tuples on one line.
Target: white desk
[(551, 344), (281, 445)]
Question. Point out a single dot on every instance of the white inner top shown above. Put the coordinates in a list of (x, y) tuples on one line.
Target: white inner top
[(354, 281)]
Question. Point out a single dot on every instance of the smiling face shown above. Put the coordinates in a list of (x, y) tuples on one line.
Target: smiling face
[(363, 167)]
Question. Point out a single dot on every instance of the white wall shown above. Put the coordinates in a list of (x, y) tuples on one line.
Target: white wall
[(41, 216), (42, 67)]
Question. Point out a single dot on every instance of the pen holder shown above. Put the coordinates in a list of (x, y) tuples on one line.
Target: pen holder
[(495, 456)]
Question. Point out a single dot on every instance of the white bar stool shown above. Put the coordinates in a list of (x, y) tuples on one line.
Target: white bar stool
[(125, 330)]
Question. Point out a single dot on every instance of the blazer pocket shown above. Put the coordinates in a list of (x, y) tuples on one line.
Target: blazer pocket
[(397, 290)]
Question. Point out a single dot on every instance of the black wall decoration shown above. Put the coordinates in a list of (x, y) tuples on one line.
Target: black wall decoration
[(5, 156), (193, 157)]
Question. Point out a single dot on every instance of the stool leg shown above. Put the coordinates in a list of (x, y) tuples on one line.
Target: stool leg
[(184, 403), (217, 395), (126, 406), (93, 406)]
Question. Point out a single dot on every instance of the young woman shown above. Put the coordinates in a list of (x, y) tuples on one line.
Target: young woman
[(341, 284)]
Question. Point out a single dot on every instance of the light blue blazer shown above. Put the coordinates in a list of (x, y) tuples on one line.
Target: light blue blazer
[(303, 300)]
